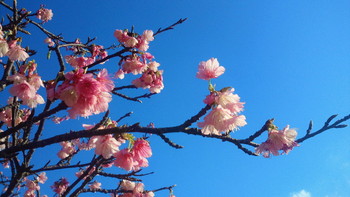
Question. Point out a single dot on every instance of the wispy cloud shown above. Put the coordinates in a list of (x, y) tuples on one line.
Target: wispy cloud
[(302, 193)]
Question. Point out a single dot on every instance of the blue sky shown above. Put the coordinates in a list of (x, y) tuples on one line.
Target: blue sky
[(288, 60)]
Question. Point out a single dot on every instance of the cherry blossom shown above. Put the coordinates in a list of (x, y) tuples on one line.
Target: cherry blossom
[(17, 53), (44, 14), (4, 48), (278, 140), (209, 69)]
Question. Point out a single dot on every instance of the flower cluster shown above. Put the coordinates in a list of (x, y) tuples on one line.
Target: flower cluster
[(225, 105), (97, 53), (25, 85), (6, 115), (134, 189), (134, 40), (33, 186), (283, 140), (44, 14), (151, 78), (60, 186), (135, 157), (84, 93), (11, 49)]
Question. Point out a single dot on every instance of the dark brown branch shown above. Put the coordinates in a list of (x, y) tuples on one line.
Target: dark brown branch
[(168, 141), (337, 124), (160, 30), (41, 116)]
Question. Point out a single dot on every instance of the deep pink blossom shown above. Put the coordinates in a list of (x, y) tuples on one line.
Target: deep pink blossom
[(283, 140), (44, 14), (210, 69), (60, 186), (125, 159), (142, 148)]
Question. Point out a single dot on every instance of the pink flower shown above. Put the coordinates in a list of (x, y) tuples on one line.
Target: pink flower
[(67, 150), (150, 79), (23, 90), (221, 120), (4, 47), (49, 42), (81, 172), (144, 40), (133, 65), (17, 53), (141, 148), (229, 101), (31, 185), (209, 69), (95, 185), (125, 159), (60, 186), (119, 74), (106, 146), (127, 185), (278, 140), (44, 14), (42, 178)]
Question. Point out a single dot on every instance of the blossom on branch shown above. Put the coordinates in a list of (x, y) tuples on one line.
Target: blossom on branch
[(210, 69), (44, 14), (283, 140)]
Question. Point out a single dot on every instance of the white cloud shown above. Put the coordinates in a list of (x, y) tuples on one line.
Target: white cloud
[(302, 193)]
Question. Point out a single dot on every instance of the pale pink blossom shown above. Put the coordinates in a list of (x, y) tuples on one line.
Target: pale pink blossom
[(49, 42), (106, 146), (4, 48), (6, 116), (31, 185), (119, 74), (23, 90), (144, 40), (42, 178), (130, 42), (283, 140), (17, 53), (122, 36), (148, 194), (44, 14), (133, 65), (229, 101), (221, 120), (151, 80), (209, 69), (153, 66), (81, 172), (67, 150), (127, 185), (95, 185)]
